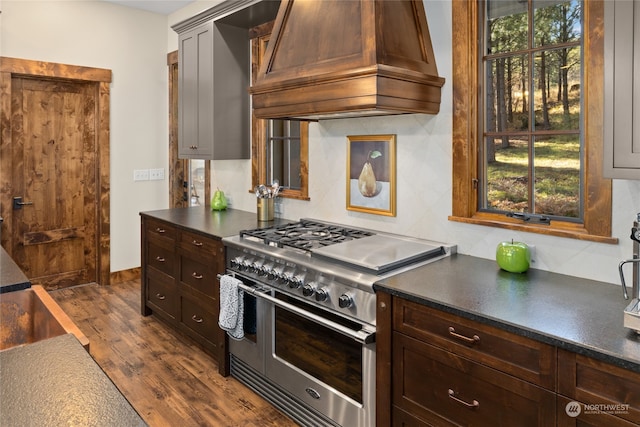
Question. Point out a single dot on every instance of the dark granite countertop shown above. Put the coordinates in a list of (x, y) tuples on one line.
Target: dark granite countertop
[(55, 382), (217, 224), (11, 277), (580, 315)]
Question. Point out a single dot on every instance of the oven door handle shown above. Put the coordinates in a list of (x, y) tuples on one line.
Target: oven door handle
[(363, 336)]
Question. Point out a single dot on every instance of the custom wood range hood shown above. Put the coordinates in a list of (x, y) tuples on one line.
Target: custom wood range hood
[(336, 59)]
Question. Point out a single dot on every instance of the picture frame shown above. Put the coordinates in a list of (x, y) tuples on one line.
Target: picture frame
[(371, 174)]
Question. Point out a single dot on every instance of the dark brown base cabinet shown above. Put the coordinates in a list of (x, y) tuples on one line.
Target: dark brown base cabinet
[(180, 285), (435, 368)]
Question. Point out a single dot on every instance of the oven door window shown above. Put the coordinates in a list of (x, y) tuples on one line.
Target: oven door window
[(250, 317), (328, 356)]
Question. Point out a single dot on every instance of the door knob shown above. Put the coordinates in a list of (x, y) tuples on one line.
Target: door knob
[(18, 203)]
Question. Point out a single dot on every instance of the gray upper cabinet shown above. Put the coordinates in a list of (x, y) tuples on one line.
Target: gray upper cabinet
[(213, 105), (622, 91)]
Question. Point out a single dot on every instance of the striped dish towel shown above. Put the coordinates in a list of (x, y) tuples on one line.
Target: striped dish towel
[(231, 307)]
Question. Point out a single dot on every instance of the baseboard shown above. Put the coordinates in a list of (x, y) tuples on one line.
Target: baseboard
[(125, 275)]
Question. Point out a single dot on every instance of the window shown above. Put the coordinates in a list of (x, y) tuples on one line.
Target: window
[(532, 67), (527, 119), (279, 148)]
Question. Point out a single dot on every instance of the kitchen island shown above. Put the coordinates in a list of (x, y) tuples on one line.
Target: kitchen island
[(569, 331), (182, 254)]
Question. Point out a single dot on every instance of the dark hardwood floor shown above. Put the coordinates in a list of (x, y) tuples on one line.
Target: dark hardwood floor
[(167, 378)]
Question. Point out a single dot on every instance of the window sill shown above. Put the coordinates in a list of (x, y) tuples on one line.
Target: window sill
[(556, 228)]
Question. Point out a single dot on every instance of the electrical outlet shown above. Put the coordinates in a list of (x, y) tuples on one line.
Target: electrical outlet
[(156, 174), (141, 174), (532, 251), (229, 201)]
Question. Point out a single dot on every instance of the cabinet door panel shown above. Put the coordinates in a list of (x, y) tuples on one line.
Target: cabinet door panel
[(586, 418), (160, 233), (161, 293), (594, 382), (622, 98), (199, 276), (195, 86), (161, 258), (199, 317), (202, 247), (438, 386)]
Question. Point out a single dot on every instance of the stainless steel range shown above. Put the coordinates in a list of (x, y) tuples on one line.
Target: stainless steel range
[(310, 314)]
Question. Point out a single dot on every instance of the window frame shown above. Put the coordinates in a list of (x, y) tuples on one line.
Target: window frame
[(259, 38), (467, 130)]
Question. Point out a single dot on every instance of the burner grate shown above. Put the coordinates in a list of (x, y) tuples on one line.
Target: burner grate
[(304, 235)]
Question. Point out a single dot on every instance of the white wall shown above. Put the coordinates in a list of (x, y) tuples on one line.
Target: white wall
[(132, 43), (424, 182)]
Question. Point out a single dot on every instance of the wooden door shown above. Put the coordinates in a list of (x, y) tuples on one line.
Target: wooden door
[(53, 143)]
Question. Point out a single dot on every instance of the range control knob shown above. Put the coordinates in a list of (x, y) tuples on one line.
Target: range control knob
[(308, 290), (255, 267), (345, 301), (244, 265), (295, 282), (283, 278), (236, 262), (322, 295)]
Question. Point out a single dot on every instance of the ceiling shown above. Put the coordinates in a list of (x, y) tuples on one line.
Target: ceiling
[(163, 7)]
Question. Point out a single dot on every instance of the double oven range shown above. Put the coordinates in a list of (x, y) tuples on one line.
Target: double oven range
[(310, 314)]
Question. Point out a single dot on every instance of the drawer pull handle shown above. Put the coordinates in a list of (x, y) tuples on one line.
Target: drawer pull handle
[(160, 230), (468, 340), (160, 297), (474, 404), (197, 319), (196, 243), (195, 275), (160, 259)]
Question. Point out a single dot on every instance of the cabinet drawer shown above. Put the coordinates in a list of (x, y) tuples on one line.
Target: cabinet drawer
[(199, 316), (161, 258), (160, 231), (162, 294), (593, 382), (440, 387), (199, 276), (524, 358), (201, 246)]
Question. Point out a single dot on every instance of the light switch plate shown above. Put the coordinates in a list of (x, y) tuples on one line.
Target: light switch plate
[(156, 174), (141, 175)]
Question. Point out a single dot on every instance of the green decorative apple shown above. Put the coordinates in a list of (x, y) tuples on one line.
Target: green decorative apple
[(514, 257), (218, 202)]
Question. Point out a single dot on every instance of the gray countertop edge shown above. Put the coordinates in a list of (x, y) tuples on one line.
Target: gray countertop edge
[(607, 341), (215, 224), (11, 277)]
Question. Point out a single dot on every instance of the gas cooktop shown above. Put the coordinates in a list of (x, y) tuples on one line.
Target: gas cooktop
[(305, 234), (365, 250)]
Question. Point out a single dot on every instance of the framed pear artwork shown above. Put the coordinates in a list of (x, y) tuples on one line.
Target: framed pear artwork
[(371, 174)]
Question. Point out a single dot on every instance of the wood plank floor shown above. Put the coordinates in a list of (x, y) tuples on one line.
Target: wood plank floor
[(166, 377)]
